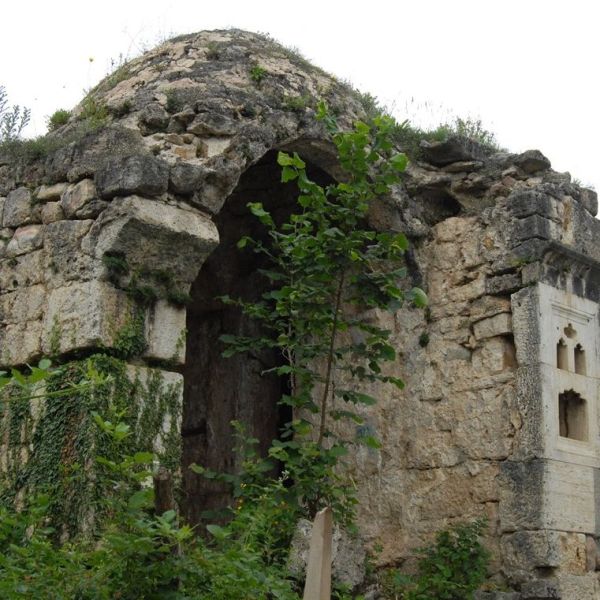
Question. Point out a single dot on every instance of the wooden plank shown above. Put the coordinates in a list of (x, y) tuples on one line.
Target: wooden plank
[(318, 572)]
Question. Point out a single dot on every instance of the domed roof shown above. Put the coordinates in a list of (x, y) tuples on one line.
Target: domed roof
[(220, 99)]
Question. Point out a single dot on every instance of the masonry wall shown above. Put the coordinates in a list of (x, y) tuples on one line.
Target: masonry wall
[(103, 238)]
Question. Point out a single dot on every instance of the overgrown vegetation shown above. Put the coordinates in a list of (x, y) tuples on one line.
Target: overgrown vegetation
[(451, 569), (408, 137), (144, 285), (89, 526), (58, 119), (136, 551), (257, 74), (324, 260), (53, 442)]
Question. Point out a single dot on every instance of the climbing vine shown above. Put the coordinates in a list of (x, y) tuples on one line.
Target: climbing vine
[(51, 442)]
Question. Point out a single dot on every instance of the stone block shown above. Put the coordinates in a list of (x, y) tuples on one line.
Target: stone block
[(488, 306), (534, 226), (21, 271), (50, 192), (83, 158), (532, 161), (526, 325), (186, 177), (212, 124), (138, 174), (530, 550), (542, 589), (84, 315), (25, 239), (494, 355), (469, 291), (592, 555), (454, 149), (521, 495), (213, 146), (165, 332), (503, 284), (154, 235), (20, 343), (530, 438), (17, 208), (77, 196), (26, 304), (481, 428), (2, 201), (153, 118), (589, 200), (500, 324), (579, 587), (524, 203), (65, 260), (570, 497), (51, 212)]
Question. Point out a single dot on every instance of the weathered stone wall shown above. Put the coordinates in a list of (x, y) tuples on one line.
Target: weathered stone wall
[(476, 432), (109, 231)]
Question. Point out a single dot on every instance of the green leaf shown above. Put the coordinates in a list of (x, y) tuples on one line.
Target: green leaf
[(284, 159), (399, 162), (370, 441), (220, 533), (256, 208), (298, 162), (419, 297), (143, 458), (288, 174), (141, 499), (44, 364)]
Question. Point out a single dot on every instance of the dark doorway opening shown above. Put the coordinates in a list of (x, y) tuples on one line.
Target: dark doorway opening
[(572, 415), (218, 390)]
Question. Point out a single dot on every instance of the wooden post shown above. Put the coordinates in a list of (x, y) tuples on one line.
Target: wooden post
[(318, 571), (163, 492)]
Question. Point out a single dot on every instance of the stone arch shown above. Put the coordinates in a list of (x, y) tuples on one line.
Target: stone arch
[(219, 390)]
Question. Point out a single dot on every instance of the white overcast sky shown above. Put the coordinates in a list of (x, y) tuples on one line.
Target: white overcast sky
[(528, 69)]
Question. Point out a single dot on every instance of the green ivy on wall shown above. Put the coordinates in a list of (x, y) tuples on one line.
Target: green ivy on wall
[(51, 444)]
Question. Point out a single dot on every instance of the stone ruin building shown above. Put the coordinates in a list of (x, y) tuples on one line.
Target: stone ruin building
[(499, 417)]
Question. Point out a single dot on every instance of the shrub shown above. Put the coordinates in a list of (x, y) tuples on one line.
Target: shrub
[(58, 119), (257, 74), (451, 569)]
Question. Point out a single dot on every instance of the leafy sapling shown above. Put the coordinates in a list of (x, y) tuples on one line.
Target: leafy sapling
[(326, 267)]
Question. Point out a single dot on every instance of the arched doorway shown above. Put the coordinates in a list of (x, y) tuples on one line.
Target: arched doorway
[(218, 390)]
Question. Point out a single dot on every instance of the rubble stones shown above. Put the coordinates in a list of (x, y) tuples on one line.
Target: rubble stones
[(50, 192), (186, 178), (532, 161), (75, 197), (454, 149), (17, 208), (139, 174), (51, 212), (26, 239)]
